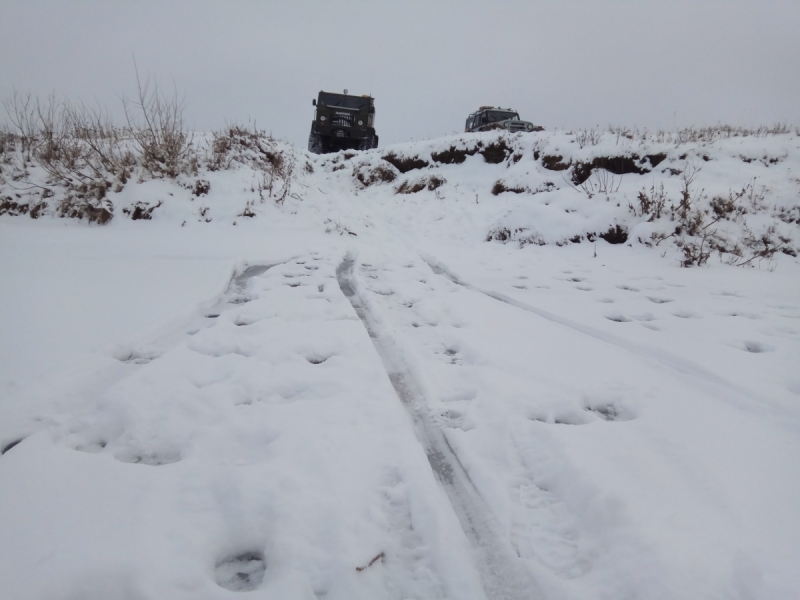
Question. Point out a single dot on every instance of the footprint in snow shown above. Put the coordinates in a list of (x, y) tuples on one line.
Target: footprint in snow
[(153, 459), (520, 287), (453, 356), (757, 347), (317, 359), (451, 419), (645, 317), (609, 411), (584, 288), (628, 288), (617, 317), (241, 573), (685, 314), (245, 321), (140, 356), (657, 300), (568, 417)]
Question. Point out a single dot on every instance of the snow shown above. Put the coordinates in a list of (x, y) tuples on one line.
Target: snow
[(353, 394)]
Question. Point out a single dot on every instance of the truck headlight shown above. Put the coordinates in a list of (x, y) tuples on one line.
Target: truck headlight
[(361, 122), (322, 118), (506, 124)]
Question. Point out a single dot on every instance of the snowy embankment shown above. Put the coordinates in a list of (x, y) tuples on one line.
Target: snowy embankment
[(314, 377)]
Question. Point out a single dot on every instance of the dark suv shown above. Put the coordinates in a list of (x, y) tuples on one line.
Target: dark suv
[(342, 122), (487, 118)]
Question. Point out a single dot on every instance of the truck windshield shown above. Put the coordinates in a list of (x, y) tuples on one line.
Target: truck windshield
[(501, 115), (343, 101)]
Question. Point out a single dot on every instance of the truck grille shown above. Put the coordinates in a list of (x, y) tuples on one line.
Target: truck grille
[(341, 120)]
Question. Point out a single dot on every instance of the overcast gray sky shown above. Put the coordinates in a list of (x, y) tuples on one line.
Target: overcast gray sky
[(567, 63)]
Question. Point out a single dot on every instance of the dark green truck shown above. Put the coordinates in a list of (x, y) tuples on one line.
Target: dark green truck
[(342, 122)]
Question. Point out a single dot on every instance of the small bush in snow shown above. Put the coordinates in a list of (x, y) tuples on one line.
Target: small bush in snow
[(157, 127)]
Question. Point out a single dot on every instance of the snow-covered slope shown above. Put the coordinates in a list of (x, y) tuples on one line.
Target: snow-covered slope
[(725, 193), (437, 370)]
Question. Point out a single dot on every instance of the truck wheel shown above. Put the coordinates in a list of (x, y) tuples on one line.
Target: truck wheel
[(315, 145), (375, 142)]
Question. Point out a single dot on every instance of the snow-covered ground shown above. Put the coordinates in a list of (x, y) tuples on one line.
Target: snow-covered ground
[(353, 394)]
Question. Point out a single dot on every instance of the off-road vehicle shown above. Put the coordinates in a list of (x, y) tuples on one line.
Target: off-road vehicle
[(342, 122), (487, 118)]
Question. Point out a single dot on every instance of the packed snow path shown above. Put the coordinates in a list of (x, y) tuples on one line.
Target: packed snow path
[(502, 575)]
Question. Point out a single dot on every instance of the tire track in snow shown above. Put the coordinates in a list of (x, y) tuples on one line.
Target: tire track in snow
[(502, 574), (674, 362)]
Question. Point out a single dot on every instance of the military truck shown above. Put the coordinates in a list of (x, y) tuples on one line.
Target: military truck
[(342, 121), (487, 118)]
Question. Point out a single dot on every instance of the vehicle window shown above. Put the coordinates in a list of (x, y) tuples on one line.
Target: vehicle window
[(470, 119), (343, 101), (501, 115)]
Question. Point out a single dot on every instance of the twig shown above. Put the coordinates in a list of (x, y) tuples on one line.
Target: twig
[(372, 562)]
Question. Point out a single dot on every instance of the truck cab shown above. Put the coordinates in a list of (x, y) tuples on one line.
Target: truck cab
[(342, 121)]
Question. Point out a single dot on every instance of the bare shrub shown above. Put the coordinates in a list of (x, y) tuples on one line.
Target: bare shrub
[(755, 248), (588, 137), (157, 126), (250, 146), (601, 182), (8, 144), (651, 204), (21, 111), (104, 141)]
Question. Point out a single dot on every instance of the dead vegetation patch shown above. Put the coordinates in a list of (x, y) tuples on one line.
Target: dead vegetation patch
[(618, 165), (500, 187), (368, 175), (494, 153), (615, 235), (431, 182), (405, 164), (12, 208), (94, 210), (141, 211), (554, 162), (453, 155), (201, 187)]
